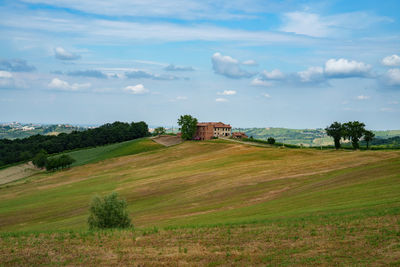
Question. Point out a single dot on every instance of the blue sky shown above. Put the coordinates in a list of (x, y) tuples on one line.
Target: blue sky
[(250, 63)]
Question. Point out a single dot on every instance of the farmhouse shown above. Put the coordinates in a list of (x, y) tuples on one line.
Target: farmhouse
[(239, 135), (208, 130)]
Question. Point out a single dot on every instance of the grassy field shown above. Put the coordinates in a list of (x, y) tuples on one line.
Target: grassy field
[(210, 203), (96, 154)]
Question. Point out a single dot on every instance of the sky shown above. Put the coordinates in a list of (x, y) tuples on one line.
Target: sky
[(249, 63)]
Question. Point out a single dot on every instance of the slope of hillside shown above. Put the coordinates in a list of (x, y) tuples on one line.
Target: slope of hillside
[(206, 183), (96, 154), (213, 203), (306, 137)]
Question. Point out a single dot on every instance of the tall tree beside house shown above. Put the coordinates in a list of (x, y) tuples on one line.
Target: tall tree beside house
[(188, 126), (368, 137), (335, 130), (354, 130)]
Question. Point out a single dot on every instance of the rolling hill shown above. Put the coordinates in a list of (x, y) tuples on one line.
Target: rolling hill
[(230, 201), (305, 137)]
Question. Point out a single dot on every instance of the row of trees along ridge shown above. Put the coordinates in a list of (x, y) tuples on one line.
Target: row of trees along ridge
[(18, 150), (352, 130)]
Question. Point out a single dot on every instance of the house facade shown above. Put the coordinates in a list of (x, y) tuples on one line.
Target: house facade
[(208, 130)]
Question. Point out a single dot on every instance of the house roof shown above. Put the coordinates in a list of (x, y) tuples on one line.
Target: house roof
[(238, 134), (214, 124)]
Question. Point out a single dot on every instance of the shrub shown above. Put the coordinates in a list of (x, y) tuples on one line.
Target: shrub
[(40, 159), (55, 163), (108, 212), (271, 140)]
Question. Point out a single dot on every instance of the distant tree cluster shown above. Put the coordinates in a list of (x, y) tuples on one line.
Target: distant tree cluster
[(159, 131), (12, 151), (352, 130), (61, 162), (42, 160)]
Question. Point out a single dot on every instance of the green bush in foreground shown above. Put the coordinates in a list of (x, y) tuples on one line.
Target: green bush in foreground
[(108, 212)]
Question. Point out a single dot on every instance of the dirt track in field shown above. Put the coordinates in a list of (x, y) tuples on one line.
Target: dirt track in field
[(167, 140), (17, 172)]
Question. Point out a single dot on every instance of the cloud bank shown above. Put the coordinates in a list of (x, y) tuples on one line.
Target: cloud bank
[(16, 65), (172, 67), (228, 67)]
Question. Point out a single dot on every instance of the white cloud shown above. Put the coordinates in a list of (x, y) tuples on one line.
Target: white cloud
[(138, 89), (391, 61), (312, 74), (221, 100), (64, 85), (393, 102), (393, 77), (305, 23), (363, 97), (272, 75), (181, 9), (95, 31), (61, 53), (250, 62), (342, 68), (6, 80), (266, 95), (5, 74), (228, 92), (261, 83), (228, 67), (315, 25), (181, 98)]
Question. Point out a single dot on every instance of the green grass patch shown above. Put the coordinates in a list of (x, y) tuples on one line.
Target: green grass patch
[(96, 154)]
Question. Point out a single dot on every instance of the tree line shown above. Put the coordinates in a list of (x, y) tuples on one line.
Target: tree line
[(18, 150), (352, 131)]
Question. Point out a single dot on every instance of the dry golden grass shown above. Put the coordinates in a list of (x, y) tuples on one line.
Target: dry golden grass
[(321, 241), (174, 185), (212, 203)]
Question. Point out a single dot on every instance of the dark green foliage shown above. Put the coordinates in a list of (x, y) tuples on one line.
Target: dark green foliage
[(353, 130), (271, 140), (392, 141), (368, 137), (336, 131), (253, 140), (188, 126), (17, 150), (108, 212), (159, 131), (62, 162), (40, 159)]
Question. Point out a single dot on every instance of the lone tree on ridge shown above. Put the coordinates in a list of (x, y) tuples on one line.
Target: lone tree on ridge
[(354, 130), (368, 136), (188, 126), (335, 130)]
